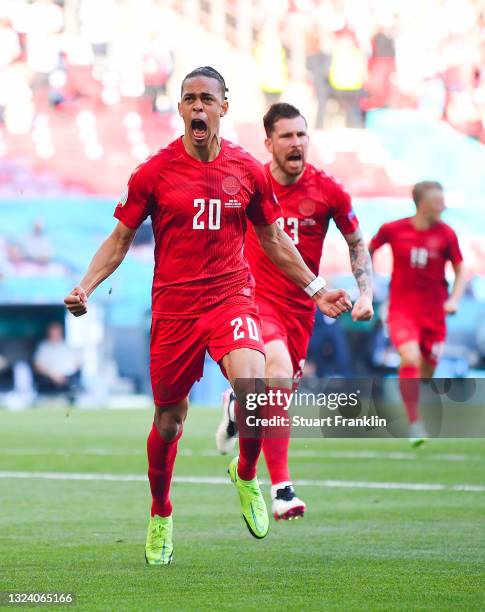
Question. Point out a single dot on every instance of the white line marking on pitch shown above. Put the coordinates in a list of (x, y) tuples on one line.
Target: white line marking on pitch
[(311, 454), (346, 484)]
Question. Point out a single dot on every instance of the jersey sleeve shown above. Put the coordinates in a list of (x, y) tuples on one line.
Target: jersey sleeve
[(454, 251), (381, 238), (263, 209), (134, 205), (343, 213)]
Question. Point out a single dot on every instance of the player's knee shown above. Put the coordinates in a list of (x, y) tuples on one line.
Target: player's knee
[(169, 426), (411, 357), (278, 369), (169, 431), (245, 388)]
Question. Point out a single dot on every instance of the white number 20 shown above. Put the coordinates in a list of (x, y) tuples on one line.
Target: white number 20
[(237, 323), (214, 220)]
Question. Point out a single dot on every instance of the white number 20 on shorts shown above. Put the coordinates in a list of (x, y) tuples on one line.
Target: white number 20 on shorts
[(239, 333)]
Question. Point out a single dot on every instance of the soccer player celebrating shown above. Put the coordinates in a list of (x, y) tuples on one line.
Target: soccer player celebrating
[(419, 302), (199, 191), (309, 199)]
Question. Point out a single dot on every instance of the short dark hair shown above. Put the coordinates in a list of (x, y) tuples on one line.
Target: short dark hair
[(211, 73), (420, 189), (278, 111)]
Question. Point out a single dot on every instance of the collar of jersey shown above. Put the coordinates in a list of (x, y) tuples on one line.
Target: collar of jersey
[(198, 161)]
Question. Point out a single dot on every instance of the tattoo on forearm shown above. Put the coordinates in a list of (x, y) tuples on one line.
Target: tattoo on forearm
[(361, 264)]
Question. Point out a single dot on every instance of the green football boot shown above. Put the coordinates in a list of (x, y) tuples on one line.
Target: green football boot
[(159, 546), (253, 506)]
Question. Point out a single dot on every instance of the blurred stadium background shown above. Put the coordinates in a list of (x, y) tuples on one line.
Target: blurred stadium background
[(394, 92)]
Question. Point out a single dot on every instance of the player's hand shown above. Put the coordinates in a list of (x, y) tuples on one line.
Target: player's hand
[(363, 310), (451, 306), (77, 302), (333, 303)]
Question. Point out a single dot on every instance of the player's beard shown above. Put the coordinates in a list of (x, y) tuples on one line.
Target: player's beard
[(291, 168)]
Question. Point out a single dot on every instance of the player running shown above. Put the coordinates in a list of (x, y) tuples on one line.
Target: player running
[(419, 302), (199, 191), (309, 199)]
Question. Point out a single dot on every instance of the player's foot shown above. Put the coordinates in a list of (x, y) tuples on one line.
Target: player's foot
[(159, 546), (253, 506), (226, 433), (417, 434), (286, 505)]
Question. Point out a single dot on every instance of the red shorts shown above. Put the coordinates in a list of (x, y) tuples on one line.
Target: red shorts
[(178, 346), (295, 330), (428, 332)]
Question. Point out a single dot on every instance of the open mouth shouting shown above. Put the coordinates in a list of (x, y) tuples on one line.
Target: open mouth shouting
[(199, 129), (294, 160)]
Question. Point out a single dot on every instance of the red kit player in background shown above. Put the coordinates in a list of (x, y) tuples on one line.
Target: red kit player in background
[(199, 191), (309, 199), (419, 300)]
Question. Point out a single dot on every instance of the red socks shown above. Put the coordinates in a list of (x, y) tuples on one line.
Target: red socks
[(249, 451), (276, 454), (409, 386), (161, 459), (275, 446)]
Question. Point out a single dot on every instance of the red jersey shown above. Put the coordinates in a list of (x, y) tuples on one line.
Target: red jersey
[(198, 211), (307, 207), (419, 259)]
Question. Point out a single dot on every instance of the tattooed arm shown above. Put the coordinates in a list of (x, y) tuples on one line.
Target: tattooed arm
[(361, 264)]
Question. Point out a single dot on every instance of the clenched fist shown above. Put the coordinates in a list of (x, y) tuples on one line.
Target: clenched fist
[(77, 302), (333, 303), (363, 310)]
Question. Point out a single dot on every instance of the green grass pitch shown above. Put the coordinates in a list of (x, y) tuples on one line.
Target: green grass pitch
[(358, 548)]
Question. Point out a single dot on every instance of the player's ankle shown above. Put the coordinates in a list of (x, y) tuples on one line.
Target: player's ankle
[(280, 485)]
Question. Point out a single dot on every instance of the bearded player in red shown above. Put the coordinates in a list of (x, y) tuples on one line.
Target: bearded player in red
[(419, 301), (199, 191), (309, 199)]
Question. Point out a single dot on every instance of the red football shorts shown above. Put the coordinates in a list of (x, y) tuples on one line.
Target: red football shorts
[(428, 332), (295, 330), (178, 346)]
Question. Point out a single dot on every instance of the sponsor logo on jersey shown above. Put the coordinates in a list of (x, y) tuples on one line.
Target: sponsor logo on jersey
[(232, 204), (231, 185), (310, 221)]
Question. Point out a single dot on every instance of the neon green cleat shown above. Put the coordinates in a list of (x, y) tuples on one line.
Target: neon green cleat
[(417, 442), (253, 506), (159, 546)]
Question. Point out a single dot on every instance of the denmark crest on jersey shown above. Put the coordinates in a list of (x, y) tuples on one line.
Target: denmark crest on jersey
[(231, 185)]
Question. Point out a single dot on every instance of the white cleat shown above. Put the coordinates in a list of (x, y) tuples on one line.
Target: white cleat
[(286, 505), (226, 434)]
